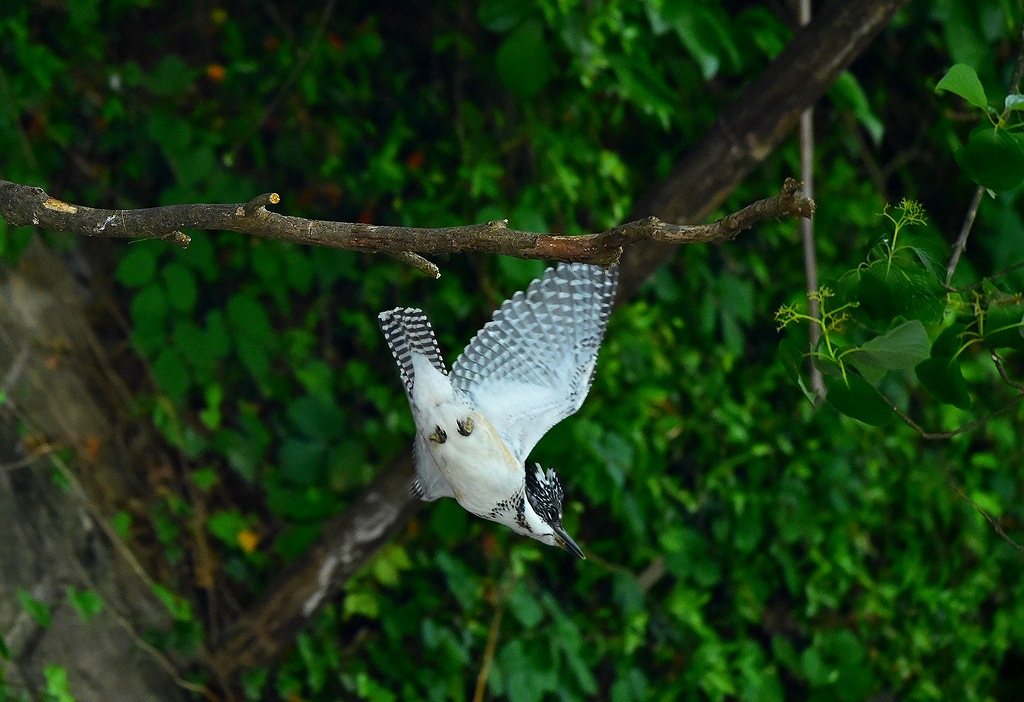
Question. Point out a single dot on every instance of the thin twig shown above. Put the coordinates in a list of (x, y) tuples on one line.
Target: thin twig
[(993, 276), (1002, 371), (991, 520), (950, 434), (965, 231), (491, 647), (417, 262), (807, 225), (44, 450)]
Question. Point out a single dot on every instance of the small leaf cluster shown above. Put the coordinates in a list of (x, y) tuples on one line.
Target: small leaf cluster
[(893, 313), (994, 153)]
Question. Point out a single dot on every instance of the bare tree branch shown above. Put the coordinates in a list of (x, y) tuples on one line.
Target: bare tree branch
[(25, 205)]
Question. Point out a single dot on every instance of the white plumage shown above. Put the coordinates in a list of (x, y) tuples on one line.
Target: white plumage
[(528, 368)]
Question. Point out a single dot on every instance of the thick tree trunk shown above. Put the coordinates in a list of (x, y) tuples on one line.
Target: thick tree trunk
[(52, 533)]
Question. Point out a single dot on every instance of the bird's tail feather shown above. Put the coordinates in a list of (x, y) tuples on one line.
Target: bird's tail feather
[(408, 333)]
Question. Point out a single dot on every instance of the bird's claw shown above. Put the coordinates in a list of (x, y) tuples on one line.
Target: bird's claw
[(466, 427), (439, 436)]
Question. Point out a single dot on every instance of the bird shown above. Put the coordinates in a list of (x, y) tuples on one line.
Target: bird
[(527, 369)]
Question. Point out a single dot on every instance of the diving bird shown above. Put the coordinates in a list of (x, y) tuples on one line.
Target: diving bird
[(530, 367)]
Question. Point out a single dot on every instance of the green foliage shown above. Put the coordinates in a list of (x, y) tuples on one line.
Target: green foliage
[(186, 633), (87, 603), (57, 687), (37, 609), (742, 544), (994, 153), (902, 280)]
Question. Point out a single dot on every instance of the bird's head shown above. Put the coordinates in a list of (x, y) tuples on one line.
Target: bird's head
[(544, 494)]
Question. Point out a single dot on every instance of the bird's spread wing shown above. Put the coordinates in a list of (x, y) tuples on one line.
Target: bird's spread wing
[(408, 334), (531, 366)]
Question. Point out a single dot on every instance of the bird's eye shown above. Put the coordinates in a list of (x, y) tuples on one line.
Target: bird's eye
[(465, 427)]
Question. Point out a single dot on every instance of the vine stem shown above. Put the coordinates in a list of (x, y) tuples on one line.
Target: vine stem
[(490, 648), (807, 225)]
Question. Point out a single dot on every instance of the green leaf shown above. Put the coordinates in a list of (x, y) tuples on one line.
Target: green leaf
[(389, 564), (525, 606), (86, 602), (302, 461), (317, 417), (1014, 102), (298, 269), (848, 94), (931, 250), (856, 398), (218, 342), (524, 60), (211, 415), (361, 603), (193, 164), (181, 287), (949, 341), (297, 540), (205, 478), (502, 15), (897, 349), (791, 354), (37, 609), (149, 313), (176, 605), (994, 158), (122, 524), (57, 688), (249, 320), (171, 76), (138, 266), (962, 80), (1004, 326), (942, 377), (171, 373), (226, 525), (900, 289)]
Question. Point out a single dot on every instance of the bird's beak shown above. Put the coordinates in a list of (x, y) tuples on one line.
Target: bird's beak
[(566, 542)]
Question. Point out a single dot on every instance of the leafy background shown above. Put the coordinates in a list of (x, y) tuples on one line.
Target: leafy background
[(743, 544)]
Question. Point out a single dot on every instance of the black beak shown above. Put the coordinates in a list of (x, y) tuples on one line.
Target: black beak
[(566, 542)]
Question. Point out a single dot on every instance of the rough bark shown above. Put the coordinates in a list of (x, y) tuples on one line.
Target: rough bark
[(26, 205), (55, 537)]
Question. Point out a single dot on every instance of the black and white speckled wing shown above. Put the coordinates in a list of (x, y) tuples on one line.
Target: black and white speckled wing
[(407, 332), (532, 365)]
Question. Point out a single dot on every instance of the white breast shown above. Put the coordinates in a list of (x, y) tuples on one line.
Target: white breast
[(480, 469)]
